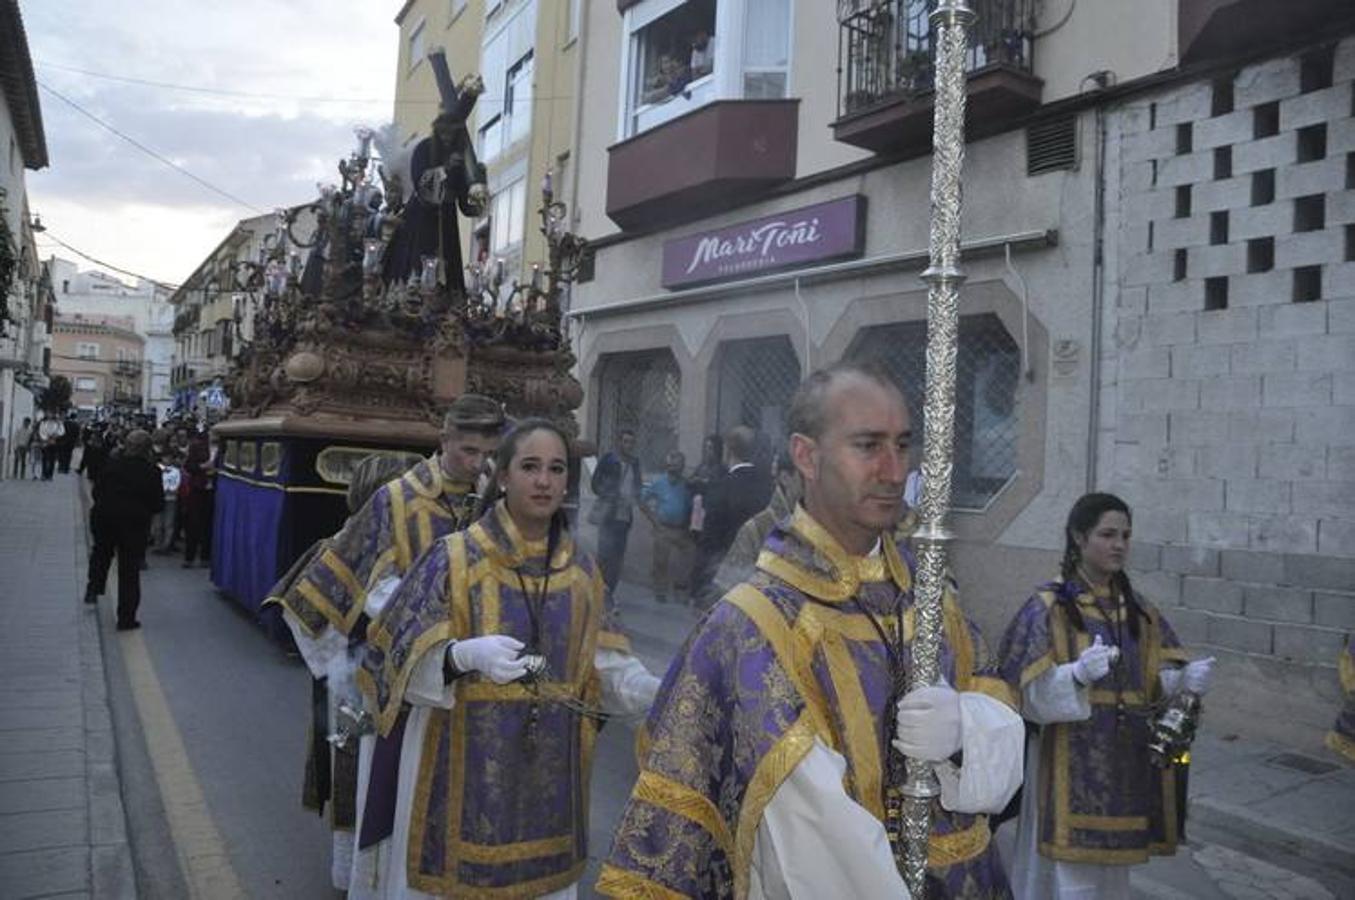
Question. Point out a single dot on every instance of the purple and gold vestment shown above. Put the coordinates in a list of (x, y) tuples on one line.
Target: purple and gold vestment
[(401, 520), (1341, 738), (501, 807), (784, 659), (1101, 800)]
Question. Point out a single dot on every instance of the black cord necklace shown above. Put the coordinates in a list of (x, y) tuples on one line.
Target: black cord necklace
[(1115, 621)]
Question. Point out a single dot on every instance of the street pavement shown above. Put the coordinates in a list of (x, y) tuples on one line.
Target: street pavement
[(167, 762)]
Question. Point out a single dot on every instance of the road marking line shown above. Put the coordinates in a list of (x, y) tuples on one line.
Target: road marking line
[(203, 858)]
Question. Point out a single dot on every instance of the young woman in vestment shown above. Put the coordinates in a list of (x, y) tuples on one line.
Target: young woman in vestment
[(1092, 662), (496, 640)]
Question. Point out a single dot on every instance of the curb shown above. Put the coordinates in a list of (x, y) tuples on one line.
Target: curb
[(1240, 822), (111, 870)]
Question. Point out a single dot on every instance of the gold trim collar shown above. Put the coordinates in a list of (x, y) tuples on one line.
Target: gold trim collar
[(835, 575), (519, 549), (427, 479)]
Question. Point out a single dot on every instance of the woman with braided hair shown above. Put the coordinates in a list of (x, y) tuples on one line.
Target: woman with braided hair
[(1092, 661)]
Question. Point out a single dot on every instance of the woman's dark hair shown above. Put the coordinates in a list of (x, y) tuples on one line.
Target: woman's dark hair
[(1082, 519), (503, 458), (716, 444)]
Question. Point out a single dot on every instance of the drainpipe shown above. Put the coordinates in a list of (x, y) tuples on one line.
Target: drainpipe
[(576, 139), (1098, 297)]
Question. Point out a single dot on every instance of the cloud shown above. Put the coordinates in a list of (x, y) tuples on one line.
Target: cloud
[(114, 201)]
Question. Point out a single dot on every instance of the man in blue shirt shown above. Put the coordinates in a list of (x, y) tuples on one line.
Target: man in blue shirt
[(667, 502)]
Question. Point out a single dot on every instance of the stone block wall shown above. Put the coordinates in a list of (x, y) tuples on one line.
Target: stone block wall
[(1228, 360)]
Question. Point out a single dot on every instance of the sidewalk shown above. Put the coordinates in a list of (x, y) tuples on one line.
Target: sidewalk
[(62, 825)]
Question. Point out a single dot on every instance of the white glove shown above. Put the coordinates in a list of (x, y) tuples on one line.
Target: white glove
[(496, 656), (1196, 676), (929, 723), (1094, 662)]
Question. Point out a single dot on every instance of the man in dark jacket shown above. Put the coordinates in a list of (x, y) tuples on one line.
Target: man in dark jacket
[(738, 496), (126, 495)]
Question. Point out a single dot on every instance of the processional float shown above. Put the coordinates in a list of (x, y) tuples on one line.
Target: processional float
[(366, 325)]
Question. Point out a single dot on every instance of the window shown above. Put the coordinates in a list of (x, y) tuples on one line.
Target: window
[(575, 20), (766, 50), (1350, 243), (1223, 163), (1266, 120), (1218, 227), (1310, 212), (1263, 187), (756, 380), (1315, 69), (504, 112), (1307, 284), (1183, 201), (518, 99), (987, 421), (1260, 254), (1312, 142), (456, 8), (86, 384), (417, 47), (1179, 265), (1222, 101), (640, 391), (682, 54), (508, 212), (1216, 293), (673, 51), (1184, 138), (87, 350)]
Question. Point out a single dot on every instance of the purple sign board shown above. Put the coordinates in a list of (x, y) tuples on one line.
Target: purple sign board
[(835, 229)]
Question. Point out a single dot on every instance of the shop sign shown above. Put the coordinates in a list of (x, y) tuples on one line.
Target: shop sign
[(835, 229)]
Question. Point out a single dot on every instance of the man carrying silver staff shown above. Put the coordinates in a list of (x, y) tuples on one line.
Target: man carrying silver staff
[(766, 763)]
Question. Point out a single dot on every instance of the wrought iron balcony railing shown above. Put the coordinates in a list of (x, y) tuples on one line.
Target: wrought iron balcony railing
[(886, 48)]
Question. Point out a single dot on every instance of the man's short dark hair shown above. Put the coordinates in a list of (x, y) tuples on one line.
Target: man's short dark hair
[(625, 431), (739, 442), (475, 413), (808, 407)]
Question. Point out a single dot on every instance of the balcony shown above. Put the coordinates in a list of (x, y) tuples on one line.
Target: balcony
[(713, 158), (130, 367), (886, 61), (1218, 29)]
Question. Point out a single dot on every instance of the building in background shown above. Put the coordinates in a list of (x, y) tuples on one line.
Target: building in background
[(527, 53), (103, 358), (1159, 218), (95, 294), (214, 313), (25, 292)]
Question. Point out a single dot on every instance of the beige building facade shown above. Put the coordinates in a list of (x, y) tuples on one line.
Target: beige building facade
[(102, 356), (768, 215)]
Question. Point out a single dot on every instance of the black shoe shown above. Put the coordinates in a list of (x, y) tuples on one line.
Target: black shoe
[(90, 596), (129, 626)]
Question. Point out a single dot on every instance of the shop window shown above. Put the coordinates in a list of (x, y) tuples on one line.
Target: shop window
[(640, 391), (987, 422), (756, 379)]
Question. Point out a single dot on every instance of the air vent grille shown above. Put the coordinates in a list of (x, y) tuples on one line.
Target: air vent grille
[(1051, 146)]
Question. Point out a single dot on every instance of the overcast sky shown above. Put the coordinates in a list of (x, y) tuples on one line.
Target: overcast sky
[(316, 69)]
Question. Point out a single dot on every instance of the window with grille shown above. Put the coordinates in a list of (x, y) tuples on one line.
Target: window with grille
[(986, 422), (640, 391), (756, 379)]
